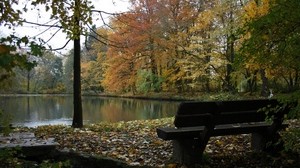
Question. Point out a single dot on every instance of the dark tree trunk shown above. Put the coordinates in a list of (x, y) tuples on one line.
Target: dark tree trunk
[(28, 81), (77, 116), (230, 55), (264, 88), (229, 69), (207, 71), (252, 81)]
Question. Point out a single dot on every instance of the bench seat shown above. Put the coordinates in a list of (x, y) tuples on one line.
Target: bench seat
[(171, 133)]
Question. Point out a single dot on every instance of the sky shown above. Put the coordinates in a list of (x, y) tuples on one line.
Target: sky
[(59, 40)]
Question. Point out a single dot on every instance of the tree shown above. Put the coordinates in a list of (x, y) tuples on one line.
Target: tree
[(72, 16), (94, 55), (47, 76), (226, 23), (68, 78), (179, 17), (136, 33), (199, 57), (152, 35), (12, 52), (77, 116), (16, 52), (272, 40)]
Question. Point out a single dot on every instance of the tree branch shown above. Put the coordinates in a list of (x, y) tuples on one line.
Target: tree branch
[(105, 22), (108, 13), (109, 41), (53, 35), (46, 30), (44, 25), (62, 46)]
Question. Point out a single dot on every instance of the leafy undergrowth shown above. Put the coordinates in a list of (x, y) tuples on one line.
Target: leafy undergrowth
[(136, 143)]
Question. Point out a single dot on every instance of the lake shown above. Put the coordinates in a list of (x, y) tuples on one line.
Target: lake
[(36, 110)]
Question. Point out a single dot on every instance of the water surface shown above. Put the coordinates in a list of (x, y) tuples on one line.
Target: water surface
[(35, 110)]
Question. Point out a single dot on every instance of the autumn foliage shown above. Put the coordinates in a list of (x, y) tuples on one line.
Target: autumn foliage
[(193, 46)]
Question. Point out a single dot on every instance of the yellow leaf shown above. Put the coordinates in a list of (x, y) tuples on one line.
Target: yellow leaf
[(172, 165)]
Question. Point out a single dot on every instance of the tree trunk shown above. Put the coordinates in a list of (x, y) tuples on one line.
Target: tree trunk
[(207, 71), (28, 81), (264, 88), (251, 81), (229, 69), (77, 116)]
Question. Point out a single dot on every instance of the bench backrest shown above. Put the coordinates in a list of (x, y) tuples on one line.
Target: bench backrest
[(223, 112)]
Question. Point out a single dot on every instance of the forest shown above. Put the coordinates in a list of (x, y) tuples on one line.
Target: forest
[(177, 46)]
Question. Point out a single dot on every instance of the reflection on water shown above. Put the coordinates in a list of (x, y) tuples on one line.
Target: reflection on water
[(44, 110)]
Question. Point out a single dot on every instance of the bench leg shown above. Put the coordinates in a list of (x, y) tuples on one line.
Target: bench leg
[(258, 142), (187, 151), (267, 143)]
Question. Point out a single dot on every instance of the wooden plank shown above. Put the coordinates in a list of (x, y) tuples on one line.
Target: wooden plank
[(224, 112), (245, 105), (197, 107), (170, 133), (223, 118), (239, 117), (192, 120), (243, 128)]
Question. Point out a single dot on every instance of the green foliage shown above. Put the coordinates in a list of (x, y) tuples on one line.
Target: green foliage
[(48, 74), (7, 156), (5, 123), (12, 55), (9, 16), (291, 139), (68, 72), (292, 99), (148, 82), (69, 13), (273, 43), (223, 96), (48, 164)]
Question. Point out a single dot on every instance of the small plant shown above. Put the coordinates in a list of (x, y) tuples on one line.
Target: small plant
[(48, 164), (291, 140), (7, 157), (148, 82), (223, 96), (5, 120)]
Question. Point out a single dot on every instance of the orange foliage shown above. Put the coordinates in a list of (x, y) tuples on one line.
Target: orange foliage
[(4, 49)]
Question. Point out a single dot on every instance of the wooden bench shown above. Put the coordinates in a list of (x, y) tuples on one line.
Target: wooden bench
[(196, 122)]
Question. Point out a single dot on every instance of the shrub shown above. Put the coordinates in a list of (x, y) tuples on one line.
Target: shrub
[(5, 126)]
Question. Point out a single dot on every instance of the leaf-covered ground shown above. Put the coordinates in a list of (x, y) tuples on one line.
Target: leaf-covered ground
[(136, 143)]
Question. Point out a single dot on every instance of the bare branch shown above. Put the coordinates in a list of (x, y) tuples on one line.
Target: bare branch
[(109, 41), (105, 43), (105, 22), (108, 13), (53, 35), (62, 46), (46, 30), (44, 25)]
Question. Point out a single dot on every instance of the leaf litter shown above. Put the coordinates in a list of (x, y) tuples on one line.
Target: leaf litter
[(136, 143)]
